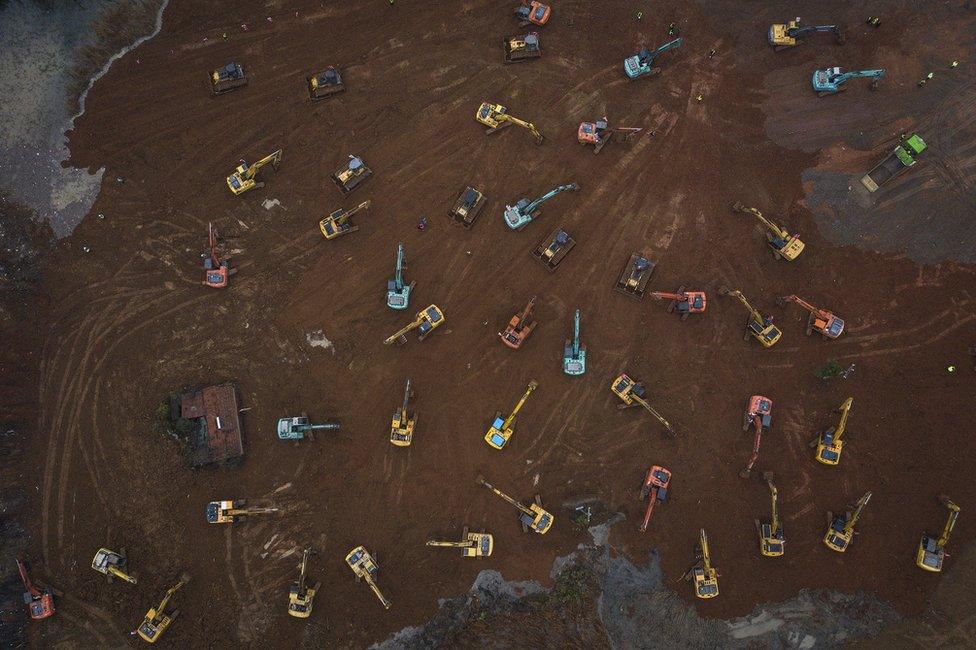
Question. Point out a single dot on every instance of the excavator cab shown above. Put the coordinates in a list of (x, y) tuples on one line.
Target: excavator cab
[(574, 353), (365, 568), (533, 12), (519, 328), (654, 490), (468, 206), (301, 597), (703, 574), (245, 176), (425, 322), (112, 564), (501, 429), (772, 540), (840, 529), (351, 175), (758, 416), (553, 248), (829, 444), (158, 619), (39, 601), (522, 48), (931, 550), (404, 422), (635, 276), (325, 84), (227, 78), (339, 222), (471, 544)]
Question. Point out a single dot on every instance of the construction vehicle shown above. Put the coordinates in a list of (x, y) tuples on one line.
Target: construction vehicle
[(642, 63), (496, 118), (301, 597), (227, 78), (633, 393), (533, 12), (351, 175), (325, 84), (599, 133), (158, 619), (245, 176), (230, 512), (425, 322), (521, 214), (820, 320), (758, 326), (782, 36), (758, 416), (635, 276), (468, 206), (553, 248), (404, 422), (904, 156), (112, 564), (398, 292), (216, 271), (683, 302), (519, 328), (784, 245), (703, 574), (830, 81), (297, 427), (339, 222), (533, 517), (574, 353), (654, 490), (522, 48), (829, 444), (471, 544), (39, 600), (840, 529), (365, 568), (501, 430), (772, 540), (931, 551)]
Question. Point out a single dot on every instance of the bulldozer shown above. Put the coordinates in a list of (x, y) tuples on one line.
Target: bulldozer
[(339, 222), (829, 444), (468, 206), (772, 541), (496, 118), (635, 276), (574, 353), (522, 47), (599, 133), (471, 544), (113, 565), (351, 175), (533, 12), (758, 326), (840, 529), (820, 320), (521, 214), (426, 321), (298, 427), (365, 568), (159, 618), (39, 600), (519, 328), (533, 517), (404, 422), (301, 597), (245, 176), (325, 84), (784, 245), (654, 490), (227, 78), (759, 416), (829, 81), (683, 302), (553, 248), (702, 573), (931, 551), (231, 512), (501, 430), (397, 291), (216, 271), (784, 36), (642, 63), (632, 393)]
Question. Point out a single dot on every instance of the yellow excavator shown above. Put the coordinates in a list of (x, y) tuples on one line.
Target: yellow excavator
[(426, 321), (632, 393), (496, 117), (840, 529), (112, 564), (533, 517), (245, 176), (403, 423), (772, 541), (471, 544), (758, 326), (339, 222), (703, 574), (158, 619), (301, 597), (365, 568), (229, 512), (931, 551), (784, 245), (501, 430), (829, 443)]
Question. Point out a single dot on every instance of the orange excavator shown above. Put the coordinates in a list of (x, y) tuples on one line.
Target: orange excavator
[(759, 416), (40, 602), (216, 271), (655, 490), (519, 328), (820, 320), (684, 302)]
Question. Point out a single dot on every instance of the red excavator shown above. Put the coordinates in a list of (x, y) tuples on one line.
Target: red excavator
[(684, 302), (655, 490), (40, 603), (216, 271), (519, 327), (758, 415), (821, 320)]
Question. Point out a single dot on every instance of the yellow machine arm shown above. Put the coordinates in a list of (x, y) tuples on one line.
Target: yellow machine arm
[(844, 409), (706, 558), (773, 498), (169, 594), (518, 407), (301, 574), (505, 117), (507, 498), (273, 159), (950, 522), (406, 328), (858, 509), (464, 544), (119, 573), (376, 590), (738, 294), (779, 232)]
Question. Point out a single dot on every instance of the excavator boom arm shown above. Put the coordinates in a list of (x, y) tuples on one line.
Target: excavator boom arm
[(576, 334), (518, 406), (773, 498), (950, 523), (755, 314), (844, 409), (532, 207), (858, 509), (706, 557), (399, 267)]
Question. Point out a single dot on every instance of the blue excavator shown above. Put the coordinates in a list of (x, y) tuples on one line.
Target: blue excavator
[(397, 292), (642, 63), (518, 216), (829, 81), (784, 36), (574, 354)]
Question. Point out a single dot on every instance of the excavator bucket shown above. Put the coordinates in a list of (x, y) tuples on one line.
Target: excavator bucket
[(325, 84), (351, 175), (522, 48), (553, 248), (635, 276), (227, 78), (468, 206)]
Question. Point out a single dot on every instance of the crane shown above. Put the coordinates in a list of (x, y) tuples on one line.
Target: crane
[(426, 320), (784, 245), (519, 327), (112, 564), (655, 490), (158, 619), (295, 428), (398, 293), (840, 530), (496, 117), (574, 353), (931, 552), (301, 597), (524, 211), (501, 430), (704, 575), (404, 422), (759, 415), (829, 444), (786, 36), (471, 544), (821, 320), (244, 177), (40, 602), (684, 302), (758, 326), (633, 394), (229, 512), (772, 541), (829, 81), (365, 568), (533, 517), (642, 63)]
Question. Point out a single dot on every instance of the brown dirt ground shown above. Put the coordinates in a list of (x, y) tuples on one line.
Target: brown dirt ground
[(129, 322)]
